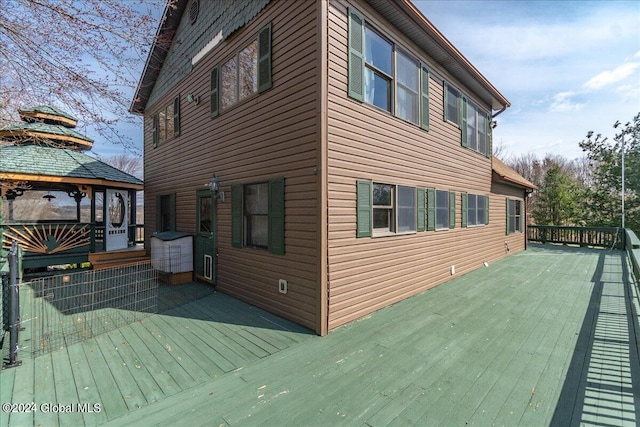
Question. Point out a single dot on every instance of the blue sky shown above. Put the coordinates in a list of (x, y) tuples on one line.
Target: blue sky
[(567, 67)]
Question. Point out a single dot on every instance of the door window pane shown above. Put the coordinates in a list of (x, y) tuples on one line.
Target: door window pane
[(205, 215)]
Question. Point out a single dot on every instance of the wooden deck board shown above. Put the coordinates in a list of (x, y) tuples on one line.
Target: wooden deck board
[(144, 379), (165, 382), (110, 397), (86, 387), (126, 384), (65, 388), (540, 338)]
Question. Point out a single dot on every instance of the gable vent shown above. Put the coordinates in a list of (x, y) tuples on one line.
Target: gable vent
[(194, 8)]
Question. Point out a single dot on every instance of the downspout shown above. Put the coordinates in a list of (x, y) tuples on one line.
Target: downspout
[(493, 116)]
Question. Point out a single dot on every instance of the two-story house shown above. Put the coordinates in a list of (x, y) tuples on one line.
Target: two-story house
[(350, 143)]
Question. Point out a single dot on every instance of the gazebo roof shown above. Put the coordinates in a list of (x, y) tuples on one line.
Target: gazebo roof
[(48, 114), (57, 133), (39, 163)]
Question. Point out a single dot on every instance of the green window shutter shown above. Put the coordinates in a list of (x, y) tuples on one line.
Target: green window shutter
[(507, 211), (431, 209), (176, 116), (452, 209), (487, 134), (356, 55), (158, 213), (463, 207), (264, 59), (172, 212), (486, 210), (421, 205), (276, 216), (463, 121), (215, 91), (236, 215), (155, 130), (363, 208), (424, 111)]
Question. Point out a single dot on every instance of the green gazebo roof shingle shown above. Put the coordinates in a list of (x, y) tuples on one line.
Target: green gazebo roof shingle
[(48, 109), (62, 162), (19, 129)]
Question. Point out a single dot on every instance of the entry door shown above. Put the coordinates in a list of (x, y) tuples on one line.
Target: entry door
[(117, 220), (205, 256)]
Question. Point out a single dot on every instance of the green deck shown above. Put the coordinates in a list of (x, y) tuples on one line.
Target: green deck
[(545, 337)]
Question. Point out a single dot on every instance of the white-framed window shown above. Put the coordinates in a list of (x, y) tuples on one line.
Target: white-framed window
[(451, 104), (256, 215), (239, 76), (394, 209), (378, 72), (386, 75), (383, 208), (166, 122), (245, 74), (477, 125), (514, 216), (477, 209), (442, 209), (408, 88)]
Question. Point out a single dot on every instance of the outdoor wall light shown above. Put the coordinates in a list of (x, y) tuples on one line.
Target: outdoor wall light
[(193, 98), (214, 186)]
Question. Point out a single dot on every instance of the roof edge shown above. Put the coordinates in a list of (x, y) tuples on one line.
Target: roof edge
[(410, 9)]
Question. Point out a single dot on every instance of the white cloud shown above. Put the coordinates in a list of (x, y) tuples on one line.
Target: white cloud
[(563, 103), (606, 78), (629, 92)]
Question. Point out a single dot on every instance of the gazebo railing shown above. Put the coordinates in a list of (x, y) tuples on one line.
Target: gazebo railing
[(605, 237)]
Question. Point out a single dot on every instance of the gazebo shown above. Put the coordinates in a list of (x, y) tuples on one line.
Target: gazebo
[(61, 205)]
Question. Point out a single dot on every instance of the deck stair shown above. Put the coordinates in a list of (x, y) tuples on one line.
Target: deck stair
[(101, 260)]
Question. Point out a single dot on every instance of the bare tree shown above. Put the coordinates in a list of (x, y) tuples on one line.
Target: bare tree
[(84, 57), (129, 164)]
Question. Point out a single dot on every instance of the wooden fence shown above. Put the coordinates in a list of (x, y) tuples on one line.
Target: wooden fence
[(604, 237)]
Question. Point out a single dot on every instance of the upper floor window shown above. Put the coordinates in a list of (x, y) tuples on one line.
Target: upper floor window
[(474, 123), (451, 104), (244, 74), (476, 132), (239, 76), (166, 122), (378, 71), (383, 75)]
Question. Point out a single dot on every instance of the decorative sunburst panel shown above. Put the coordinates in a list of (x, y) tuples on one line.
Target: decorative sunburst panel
[(48, 238)]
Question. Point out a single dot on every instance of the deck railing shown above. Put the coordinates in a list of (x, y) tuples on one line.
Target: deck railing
[(604, 237)]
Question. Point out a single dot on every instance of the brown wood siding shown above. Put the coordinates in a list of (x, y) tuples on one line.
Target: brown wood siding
[(269, 135), (366, 274)]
